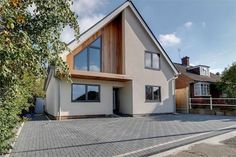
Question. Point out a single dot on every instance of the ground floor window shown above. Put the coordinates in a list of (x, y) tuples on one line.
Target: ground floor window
[(85, 93), (201, 89), (153, 93)]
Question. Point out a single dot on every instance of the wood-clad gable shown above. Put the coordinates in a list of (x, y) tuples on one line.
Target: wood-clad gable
[(112, 55), (182, 81), (112, 47)]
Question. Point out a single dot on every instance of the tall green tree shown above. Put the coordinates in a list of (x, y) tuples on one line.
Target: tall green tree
[(228, 81), (29, 42)]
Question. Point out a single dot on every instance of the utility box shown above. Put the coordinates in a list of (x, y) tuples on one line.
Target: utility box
[(39, 105)]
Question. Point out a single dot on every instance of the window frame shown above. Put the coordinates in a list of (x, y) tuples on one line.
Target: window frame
[(152, 68), (152, 86), (88, 55), (201, 88), (86, 92)]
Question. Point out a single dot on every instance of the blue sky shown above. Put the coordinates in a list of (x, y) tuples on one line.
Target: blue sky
[(204, 30)]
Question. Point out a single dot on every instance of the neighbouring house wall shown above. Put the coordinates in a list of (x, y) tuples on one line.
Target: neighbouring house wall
[(104, 107), (215, 92), (191, 88), (182, 93), (182, 82), (137, 41), (182, 96), (51, 106)]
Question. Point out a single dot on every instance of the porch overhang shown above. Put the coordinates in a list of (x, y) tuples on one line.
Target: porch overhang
[(99, 76)]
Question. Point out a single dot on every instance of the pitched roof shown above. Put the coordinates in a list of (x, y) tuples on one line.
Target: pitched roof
[(183, 70), (74, 43)]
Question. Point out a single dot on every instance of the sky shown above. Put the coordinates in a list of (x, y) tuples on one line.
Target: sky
[(204, 30)]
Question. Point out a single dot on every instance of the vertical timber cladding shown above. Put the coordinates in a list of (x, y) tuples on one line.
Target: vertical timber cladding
[(112, 55)]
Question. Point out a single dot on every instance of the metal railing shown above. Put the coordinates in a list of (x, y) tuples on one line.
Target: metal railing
[(211, 102)]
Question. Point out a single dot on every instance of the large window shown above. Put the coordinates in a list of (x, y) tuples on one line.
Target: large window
[(201, 89), (152, 60), (153, 93), (89, 59), (83, 93)]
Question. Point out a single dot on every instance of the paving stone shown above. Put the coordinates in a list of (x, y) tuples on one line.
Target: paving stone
[(112, 136)]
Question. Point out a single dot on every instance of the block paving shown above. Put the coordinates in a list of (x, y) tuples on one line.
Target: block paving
[(123, 136)]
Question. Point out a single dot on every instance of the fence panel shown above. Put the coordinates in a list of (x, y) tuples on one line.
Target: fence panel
[(211, 102)]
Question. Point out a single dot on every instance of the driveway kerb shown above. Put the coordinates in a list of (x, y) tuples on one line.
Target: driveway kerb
[(17, 135), (216, 140)]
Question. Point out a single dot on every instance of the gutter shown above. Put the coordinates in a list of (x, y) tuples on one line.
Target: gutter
[(175, 77)]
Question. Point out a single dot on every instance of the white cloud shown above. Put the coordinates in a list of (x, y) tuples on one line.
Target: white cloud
[(215, 70), (94, 68), (188, 24), (84, 24), (203, 24), (87, 16), (88, 21), (67, 34), (169, 39), (87, 7)]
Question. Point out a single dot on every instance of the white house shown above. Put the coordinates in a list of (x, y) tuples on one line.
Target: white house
[(117, 66)]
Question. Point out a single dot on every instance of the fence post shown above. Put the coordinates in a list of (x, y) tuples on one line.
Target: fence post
[(211, 103), (190, 105)]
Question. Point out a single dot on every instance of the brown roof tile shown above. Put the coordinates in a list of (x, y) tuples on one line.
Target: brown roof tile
[(183, 70)]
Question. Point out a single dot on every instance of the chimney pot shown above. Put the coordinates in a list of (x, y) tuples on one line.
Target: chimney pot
[(185, 61)]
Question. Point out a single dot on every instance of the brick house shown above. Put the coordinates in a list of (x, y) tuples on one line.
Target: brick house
[(194, 82)]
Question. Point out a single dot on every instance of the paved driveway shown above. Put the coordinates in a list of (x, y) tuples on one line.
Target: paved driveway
[(116, 136)]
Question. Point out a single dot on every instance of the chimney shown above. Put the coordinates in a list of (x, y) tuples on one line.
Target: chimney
[(185, 61)]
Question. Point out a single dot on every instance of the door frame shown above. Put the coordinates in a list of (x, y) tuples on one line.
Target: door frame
[(115, 100)]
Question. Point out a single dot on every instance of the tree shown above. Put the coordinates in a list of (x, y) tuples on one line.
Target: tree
[(228, 81), (29, 42)]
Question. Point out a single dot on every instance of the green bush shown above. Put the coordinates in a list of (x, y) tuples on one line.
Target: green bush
[(227, 83), (29, 42)]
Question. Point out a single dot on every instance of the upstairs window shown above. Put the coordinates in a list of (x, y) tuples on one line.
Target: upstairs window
[(89, 59), (152, 60), (204, 71), (201, 89)]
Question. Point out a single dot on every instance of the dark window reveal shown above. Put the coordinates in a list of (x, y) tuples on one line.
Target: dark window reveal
[(152, 60), (83, 93), (89, 59), (153, 93)]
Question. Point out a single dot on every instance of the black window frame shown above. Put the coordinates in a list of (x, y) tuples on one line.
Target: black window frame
[(152, 86), (88, 55), (86, 92), (152, 53)]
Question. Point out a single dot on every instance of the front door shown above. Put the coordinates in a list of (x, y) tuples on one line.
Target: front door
[(115, 101)]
